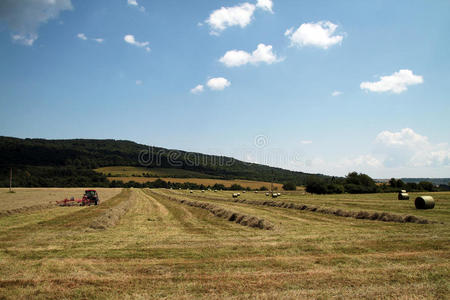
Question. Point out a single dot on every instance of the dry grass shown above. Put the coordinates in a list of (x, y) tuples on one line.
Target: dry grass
[(160, 248), (232, 216), (127, 171), (30, 199), (205, 181)]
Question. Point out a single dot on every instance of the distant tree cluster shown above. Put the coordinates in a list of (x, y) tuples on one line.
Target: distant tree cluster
[(359, 183), (398, 184)]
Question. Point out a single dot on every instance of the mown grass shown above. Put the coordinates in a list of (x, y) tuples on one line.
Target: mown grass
[(129, 171), (163, 249)]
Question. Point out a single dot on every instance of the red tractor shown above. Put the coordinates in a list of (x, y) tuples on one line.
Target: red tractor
[(90, 197)]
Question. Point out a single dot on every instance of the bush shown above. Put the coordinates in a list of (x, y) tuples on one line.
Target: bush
[(289, 186)]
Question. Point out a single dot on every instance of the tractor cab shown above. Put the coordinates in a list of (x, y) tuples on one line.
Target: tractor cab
[(90, 197)]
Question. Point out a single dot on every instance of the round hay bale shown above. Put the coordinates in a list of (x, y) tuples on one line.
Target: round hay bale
[(402, 191), (424, 202), (267, 194), (403, 196)]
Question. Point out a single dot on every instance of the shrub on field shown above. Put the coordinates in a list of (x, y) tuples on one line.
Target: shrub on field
[(236, 187), (289, 186)]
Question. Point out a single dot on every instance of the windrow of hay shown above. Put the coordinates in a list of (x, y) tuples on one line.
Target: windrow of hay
[(242, 219), (374, 216), (26, 209), (111, 216)]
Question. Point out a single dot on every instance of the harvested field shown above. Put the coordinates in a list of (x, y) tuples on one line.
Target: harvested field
[(31, 199), (158, 247), (242, 219), (374, 216), (127, 171)]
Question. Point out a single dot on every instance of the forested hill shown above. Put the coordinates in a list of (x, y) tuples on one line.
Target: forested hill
[(41, 162)]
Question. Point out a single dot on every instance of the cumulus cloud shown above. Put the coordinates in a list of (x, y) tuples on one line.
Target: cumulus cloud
[(239, 15), (99, 40), (306, 142), (82, 36), (131, 40), (218, 83), (263, 53), (395, 83), (198, 89), (25, 16), (320, 34), (336, 93), (265, 5), (410, 149), (134, 3)]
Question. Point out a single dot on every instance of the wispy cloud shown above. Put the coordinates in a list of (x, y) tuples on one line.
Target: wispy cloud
[(336, 93), (134, 3), (130, 39), (25, 16), (198, 89)]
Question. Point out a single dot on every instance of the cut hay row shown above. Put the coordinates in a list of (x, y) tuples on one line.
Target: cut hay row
[(26, 209), (365, 215), (241, 219), (112, 215)]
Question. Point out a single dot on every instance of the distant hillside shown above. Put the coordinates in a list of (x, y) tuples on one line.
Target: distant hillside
[(41, 162), (436, 181)]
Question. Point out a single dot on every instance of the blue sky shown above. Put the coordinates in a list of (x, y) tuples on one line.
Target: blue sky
[(315, 86)]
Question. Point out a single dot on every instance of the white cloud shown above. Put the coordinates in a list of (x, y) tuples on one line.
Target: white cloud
[(26, 40), (131, 40), (265, 5), (358, 162), (82, 36), (136, 4), (218, 83), (336, 93), (139, 82), (318, 34), (263, 53), (396, 83), (306, 142), (198, 89), (25, 16), (409, 149), (239, 15)]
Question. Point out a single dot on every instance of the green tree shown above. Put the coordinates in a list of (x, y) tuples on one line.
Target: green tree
[(289, 186)]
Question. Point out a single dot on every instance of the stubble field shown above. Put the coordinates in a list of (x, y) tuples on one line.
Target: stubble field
[(147, 244)]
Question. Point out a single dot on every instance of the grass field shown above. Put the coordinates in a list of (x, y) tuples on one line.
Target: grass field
[(128, 171), (205, 181), (159, 246), (24, 198)]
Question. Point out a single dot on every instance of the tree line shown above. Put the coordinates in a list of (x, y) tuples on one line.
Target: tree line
[(359, 183)]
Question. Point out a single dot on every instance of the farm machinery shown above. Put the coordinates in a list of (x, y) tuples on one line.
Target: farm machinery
[(90, 198)]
